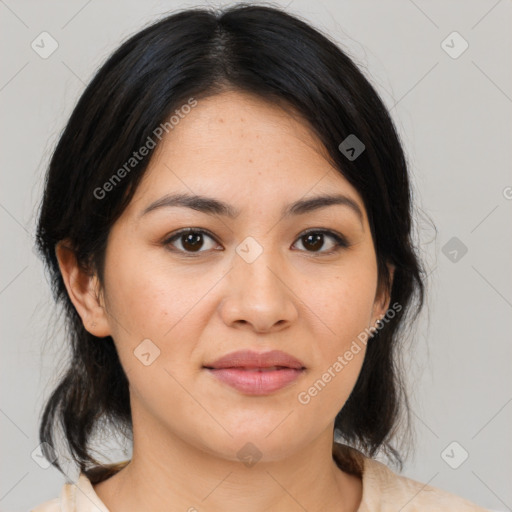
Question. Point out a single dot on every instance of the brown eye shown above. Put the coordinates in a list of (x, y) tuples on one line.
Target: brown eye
[(191, 240), (313, 241)]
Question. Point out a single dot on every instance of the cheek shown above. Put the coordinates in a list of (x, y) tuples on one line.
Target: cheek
[(343, 306), (159, 303), (149, 298), (342, 299), (330, 382)]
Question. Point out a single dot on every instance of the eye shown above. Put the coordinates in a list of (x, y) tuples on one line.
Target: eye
[(190, 239), (314, 239)]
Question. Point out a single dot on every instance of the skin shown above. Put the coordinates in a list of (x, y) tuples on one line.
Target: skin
[(187, 425)]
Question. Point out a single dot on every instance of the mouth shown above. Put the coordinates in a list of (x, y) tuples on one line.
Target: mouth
[(253, 368), (256, 373), (256, 380)]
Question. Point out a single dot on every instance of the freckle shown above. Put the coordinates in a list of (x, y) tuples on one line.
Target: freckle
[(250, 160)]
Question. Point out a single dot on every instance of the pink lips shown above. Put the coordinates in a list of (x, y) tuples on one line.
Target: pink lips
[(257, 373)]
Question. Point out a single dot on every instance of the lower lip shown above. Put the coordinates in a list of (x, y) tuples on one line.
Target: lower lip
[(256, 382)]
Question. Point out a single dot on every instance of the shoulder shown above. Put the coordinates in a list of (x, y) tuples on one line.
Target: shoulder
[(71, 500), (48, 506), (74, 497), (66, 501), (384, 490)]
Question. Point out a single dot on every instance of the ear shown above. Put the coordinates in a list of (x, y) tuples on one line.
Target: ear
[(83, 290), (383, 296)]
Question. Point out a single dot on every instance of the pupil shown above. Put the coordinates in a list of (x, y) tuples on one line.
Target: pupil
[(317, 240), (189, 240)]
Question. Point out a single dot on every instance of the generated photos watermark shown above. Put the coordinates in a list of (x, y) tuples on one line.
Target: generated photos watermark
[(304, 397), (143, 151)]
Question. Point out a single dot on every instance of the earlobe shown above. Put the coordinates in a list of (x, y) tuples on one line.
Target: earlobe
[(82, 287)]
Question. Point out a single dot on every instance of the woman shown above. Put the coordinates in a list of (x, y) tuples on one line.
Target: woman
[(227, 222)]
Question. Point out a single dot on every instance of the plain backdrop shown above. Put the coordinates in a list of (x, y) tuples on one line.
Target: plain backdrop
[(452, 106)]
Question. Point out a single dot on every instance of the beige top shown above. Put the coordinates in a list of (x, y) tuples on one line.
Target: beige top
[(383, 491)]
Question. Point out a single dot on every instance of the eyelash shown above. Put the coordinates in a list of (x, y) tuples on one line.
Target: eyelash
[(341, 241)]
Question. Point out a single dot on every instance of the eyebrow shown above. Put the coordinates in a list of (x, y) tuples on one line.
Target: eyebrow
[(212, 206)]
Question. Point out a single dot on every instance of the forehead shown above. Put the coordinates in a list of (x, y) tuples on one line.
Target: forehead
[(242, 149)]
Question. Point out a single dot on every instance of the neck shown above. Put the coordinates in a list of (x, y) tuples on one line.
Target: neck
[(167, 473)]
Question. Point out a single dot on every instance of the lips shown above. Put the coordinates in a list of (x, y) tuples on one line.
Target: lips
[(251, 360), (257, 373)]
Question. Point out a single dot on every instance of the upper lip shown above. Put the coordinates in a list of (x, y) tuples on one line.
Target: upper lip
[(251, 359)]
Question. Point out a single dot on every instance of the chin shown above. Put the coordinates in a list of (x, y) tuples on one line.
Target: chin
[(250, 447)]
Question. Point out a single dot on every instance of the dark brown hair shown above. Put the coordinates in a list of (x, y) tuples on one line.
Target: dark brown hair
[(197, 53)]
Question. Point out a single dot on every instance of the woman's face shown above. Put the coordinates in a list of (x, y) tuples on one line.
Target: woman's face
[(253, 280)]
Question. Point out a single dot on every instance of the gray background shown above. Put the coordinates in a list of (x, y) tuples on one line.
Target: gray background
[(454, 115)]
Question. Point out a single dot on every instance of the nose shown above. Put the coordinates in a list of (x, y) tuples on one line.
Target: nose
[(259, 295)]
